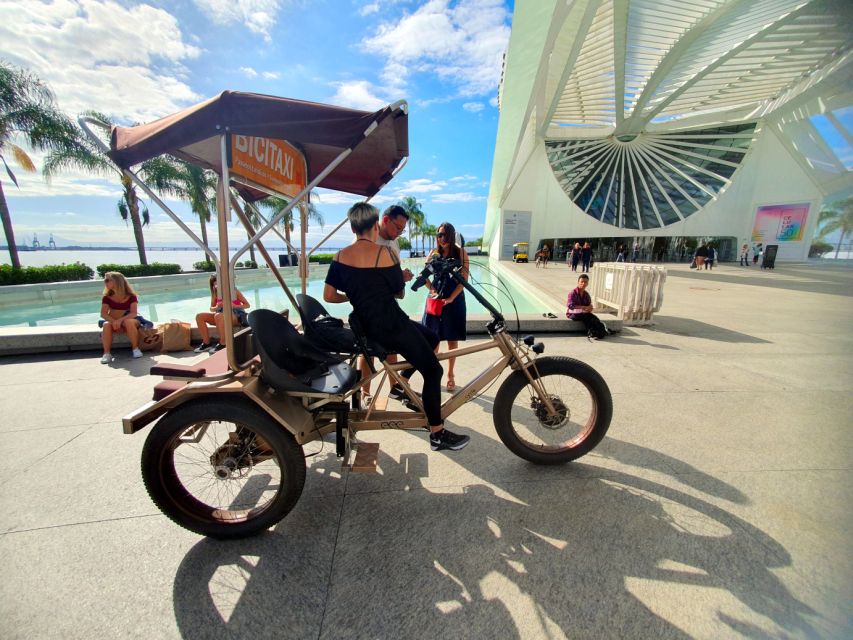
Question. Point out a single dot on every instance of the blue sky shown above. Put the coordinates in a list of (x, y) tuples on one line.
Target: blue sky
[(138, 61)]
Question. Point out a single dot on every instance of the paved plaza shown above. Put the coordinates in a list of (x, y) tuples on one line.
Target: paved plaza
[(718, 506)]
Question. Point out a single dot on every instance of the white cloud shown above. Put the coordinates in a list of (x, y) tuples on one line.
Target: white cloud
[(271, 75), (94, 55), (494, 101), (419, 185), (466, 178), (258, 16), (473, 107), (249, 72), (463, 45), (457, 197), (369, 9), (357, 94)]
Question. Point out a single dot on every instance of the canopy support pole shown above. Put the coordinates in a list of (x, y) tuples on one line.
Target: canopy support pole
[(245, 220), (226, 276)]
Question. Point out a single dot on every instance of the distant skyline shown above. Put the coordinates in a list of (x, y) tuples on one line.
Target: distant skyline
[(139, 61)]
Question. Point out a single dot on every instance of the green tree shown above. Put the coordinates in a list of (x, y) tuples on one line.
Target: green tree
[(428, 231), (415, 212), (27, 110), (181, 179), (274, 204), (80, 152), (838, 218)]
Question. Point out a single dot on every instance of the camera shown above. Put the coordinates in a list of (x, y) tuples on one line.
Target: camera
[(436, 266)]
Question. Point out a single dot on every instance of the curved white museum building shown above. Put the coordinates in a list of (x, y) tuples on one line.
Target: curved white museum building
[(669, 123)]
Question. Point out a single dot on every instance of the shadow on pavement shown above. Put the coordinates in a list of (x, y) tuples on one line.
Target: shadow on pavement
[(694, 328), (596, 553)]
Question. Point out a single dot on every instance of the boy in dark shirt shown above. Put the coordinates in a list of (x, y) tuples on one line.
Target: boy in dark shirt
[(580, 309)]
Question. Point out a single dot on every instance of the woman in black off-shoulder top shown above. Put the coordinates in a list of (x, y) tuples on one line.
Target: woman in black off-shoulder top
[(369, 277)]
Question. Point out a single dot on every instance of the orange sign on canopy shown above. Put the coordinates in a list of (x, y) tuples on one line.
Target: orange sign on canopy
[(274, 164)]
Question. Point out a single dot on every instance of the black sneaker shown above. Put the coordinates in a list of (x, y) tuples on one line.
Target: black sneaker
[(445, 439), (204, 346), (219, 347), (396, 393)]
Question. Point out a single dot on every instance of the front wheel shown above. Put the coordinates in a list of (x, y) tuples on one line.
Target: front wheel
[(222, 468), (582, 411)]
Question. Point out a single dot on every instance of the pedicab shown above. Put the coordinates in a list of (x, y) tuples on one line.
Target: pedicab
[(225, 456)]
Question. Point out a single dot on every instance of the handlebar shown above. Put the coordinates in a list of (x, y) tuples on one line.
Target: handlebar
[(450, 266)]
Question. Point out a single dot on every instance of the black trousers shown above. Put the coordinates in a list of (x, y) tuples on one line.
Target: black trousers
[(417, 345), (590, 321)]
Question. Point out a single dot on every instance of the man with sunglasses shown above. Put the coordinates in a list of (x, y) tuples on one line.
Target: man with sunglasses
[(391, 227)]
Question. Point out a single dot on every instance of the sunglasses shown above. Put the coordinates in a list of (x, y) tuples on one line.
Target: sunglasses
[(441, 235)]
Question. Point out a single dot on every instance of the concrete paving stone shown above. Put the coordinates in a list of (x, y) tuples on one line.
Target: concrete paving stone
[(744, 430), (95, 476), (33, 445), (148, 578)]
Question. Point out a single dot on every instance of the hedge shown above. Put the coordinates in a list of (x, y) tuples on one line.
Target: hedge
[(53, 273), (204, 265), (135, 270), (322, 258)]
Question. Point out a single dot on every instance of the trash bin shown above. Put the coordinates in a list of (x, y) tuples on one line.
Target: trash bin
[(769, 261), (282, 260)]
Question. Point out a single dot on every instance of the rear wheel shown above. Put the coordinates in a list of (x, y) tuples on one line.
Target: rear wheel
[(222, 468), (582, 403)]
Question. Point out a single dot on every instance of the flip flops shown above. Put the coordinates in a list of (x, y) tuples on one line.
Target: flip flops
[(548, 315)]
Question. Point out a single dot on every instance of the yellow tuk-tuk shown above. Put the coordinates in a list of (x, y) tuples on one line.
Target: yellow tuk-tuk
[(519, 252)]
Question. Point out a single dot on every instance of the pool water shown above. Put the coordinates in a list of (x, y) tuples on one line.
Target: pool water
[(164, 306)]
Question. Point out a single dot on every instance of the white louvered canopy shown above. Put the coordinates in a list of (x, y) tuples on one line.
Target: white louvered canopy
[(652, 104), (656, 61)]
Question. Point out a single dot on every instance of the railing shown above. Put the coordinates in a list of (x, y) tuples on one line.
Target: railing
[(634, 291)]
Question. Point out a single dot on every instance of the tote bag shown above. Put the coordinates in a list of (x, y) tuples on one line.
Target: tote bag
[(176, 336), (150, 340)]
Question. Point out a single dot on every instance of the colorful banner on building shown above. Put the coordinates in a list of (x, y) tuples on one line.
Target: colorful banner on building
[(274, 164), (780, 223)]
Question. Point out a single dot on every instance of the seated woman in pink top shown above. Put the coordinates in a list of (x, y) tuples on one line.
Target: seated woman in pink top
[(214, 317), (118, 313)]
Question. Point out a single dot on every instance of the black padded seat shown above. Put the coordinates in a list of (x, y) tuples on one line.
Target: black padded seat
[(290, 362), (328, 332)]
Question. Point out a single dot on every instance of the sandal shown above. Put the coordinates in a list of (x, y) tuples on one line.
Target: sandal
[(451, 384)]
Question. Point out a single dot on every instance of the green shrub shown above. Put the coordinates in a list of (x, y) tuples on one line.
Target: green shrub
[(819, 247), (136, 270), (52, 273), (250, 264), (204, 265), (322, 258)]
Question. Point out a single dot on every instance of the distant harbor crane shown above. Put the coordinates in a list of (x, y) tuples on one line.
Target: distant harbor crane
[(51, 244), (36, 244)]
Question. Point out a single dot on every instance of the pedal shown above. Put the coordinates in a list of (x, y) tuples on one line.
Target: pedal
[(366, 457)]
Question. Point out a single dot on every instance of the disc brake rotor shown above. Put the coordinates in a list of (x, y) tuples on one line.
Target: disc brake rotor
[(555, 420)]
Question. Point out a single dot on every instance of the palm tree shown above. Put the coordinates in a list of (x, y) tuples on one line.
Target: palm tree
[(80, 152), (839, 217), (415, 213), (28, 110), (181, 179), (277, 203), (428, 231)]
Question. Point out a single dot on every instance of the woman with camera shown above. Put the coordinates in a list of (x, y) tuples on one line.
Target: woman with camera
[(447, 316)]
